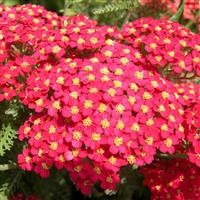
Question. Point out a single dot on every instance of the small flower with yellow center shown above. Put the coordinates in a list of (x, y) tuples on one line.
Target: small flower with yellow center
[(191, 91), (91, 77), (147, 96), (158, 28), (154, 84), (53, 145), (76, 81), (120, 108), (167, 41), (87, 122), (109, 42), (28, 159), (149, 140), (48, 67), (78, 168), (118, 141), (131, 159), (56, 49), (181, 64), (72, 65), (197, 47), (88, 104), (40, 152), (97, 170), (108, 53), (74, 94), (139, 75), (104, 70), (131, 100), (109, 179), (102, 107), (39, 102), (60, 80), (183, 43), (181, 128), (75, 152), (172, 118), (196, 60), (38, 136), (137, 55), (165, 95), (149, 122), (74, 110), (93, 40), (90, 31), (56, 105), (153, 45), (47, 82), (105, 78), (127, 51), (93, 90), (124, 61), (27, 130), (61, 158), (134, 87), (112, 92), (168, 142), (158, 58), (88, 68), (112, 160), (118, 71), (171, 53), (135, 127), (94, 60), (161, 108), (164, 127), (172, 106), (105, 123), (80, 41), (180, 111), (52, 129), (117, 84), (100, 151), (120, 125), (144, 108), (96, 136), (76, 135), (132, 30), (37, 121)]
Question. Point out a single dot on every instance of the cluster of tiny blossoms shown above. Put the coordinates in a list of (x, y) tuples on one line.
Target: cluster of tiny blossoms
[(174, 179), (165, 46), (99, 102)]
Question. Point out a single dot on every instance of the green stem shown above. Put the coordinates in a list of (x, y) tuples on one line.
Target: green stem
[(5, 167), (65, 7)]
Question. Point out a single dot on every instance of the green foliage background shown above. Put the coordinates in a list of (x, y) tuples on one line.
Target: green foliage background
[(59, 186)]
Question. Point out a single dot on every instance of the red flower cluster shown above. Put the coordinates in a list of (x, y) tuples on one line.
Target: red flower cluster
[(174, 179), (193, 120), (100, 102), (164, 45)]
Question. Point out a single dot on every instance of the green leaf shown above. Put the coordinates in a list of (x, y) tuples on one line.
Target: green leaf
[(7, 136), (178, 14), (11, 2)]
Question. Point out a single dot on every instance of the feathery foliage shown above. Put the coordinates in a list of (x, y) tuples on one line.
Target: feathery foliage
[(7, 137)]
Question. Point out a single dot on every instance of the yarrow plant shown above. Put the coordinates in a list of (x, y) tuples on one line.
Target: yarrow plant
[(101, 98)]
